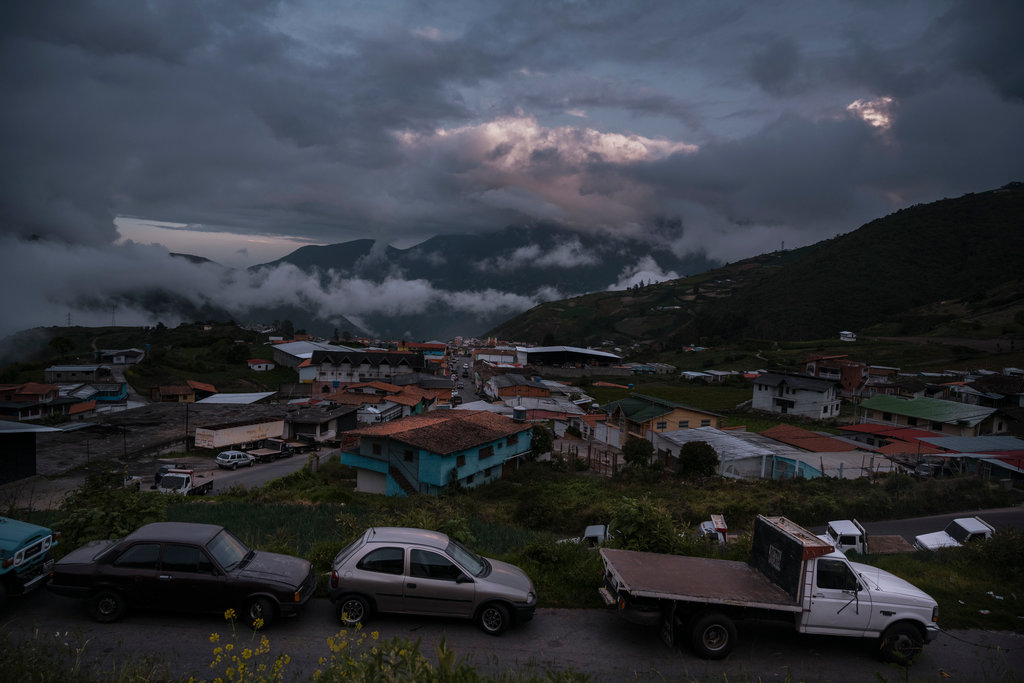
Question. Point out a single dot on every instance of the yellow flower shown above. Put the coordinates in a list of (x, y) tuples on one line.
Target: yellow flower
[(218, 650), (375, 635), (229, 647), (257, 623), (246, 653), (214, 637), (229, 614)]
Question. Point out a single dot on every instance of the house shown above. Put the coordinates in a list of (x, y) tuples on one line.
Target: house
[(201, 389), (512, 386), (796, 395), (173, 393), (30, 401), (57, 374), (121, 356), (335, 368), (290, 354), (948, 418), (439, 450), (260, 365), (644, 416)]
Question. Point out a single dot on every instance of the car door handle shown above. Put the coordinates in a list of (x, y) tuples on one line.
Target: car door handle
[(410, 585)]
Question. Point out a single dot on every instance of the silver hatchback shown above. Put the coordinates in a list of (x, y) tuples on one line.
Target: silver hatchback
[(415, 571)]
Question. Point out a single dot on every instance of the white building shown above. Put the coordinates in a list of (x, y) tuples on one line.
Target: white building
[(796, 395)]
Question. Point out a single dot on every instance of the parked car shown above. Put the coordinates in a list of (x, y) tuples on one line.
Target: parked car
[(232, 460), (415, 571), (185, 567)]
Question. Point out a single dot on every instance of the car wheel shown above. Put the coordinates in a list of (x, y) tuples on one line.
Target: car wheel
[(901, 643), (353, 610), (259, 609), (234, 466), (493, 619), (107, 606), (252, 462), (713, 636)]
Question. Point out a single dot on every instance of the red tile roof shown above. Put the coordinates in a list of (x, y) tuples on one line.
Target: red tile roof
[(446, 431), (910, 448), (83, 407), (807, 440), (202, 386), (380, 386)]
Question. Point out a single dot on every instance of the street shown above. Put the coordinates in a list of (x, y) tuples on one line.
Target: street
[(596, 642)]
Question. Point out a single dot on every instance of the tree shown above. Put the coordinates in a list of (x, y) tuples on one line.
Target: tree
[(697, 459), (641, 524), (541, 442), (637, 452)]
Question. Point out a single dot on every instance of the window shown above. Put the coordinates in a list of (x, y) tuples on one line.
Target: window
[(376, 449), (486, 452), (684, 424), (460, 461), (408, 456), (936, 426), (836, 574), (383, 560), (424, 564), (824, 411), (912, 421), (185, 558), (141, 556), (887, 416), (661, 424), (512, 440), (705, 423)]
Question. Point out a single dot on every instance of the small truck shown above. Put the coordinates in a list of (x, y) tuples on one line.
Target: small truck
[(716, 529), (183, 483), (791, 576), (849, 534), (957, 533), (25, 556), (271, 450)]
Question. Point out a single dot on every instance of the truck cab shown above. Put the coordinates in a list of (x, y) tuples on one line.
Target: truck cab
[(25, 556), (957, 533), (847, 534)]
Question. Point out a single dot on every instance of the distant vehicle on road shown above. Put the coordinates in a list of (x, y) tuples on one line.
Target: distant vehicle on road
[(183, 483), (232, 460), (185, 567), (415, 571)]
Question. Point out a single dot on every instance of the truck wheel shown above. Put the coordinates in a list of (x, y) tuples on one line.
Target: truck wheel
[(493, 619), (353, 610), (712, 636), (901, 643), (259, 609), (107, 606)]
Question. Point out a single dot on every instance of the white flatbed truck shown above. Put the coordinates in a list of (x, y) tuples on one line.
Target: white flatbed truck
[(791, 575)]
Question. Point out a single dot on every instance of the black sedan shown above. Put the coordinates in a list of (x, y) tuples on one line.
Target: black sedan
[(185, 567)]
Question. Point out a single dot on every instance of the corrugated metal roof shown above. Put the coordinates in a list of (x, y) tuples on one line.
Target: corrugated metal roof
[(977, 444), (807, 440), (932, 409)]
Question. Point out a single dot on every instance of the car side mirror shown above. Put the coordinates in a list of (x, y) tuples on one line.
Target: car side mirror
[(462, 578)]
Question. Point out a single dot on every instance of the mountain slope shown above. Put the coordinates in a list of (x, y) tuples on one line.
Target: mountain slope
[(892, 271)]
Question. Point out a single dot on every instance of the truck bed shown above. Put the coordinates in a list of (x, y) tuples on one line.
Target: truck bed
[(696, 579), (883, 545)]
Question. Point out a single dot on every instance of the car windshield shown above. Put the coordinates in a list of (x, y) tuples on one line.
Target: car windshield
[(173, 481), (472, 562), (228, 550), (958, 532)]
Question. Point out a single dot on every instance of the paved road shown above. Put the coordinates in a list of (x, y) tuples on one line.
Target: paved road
[(596, 642)]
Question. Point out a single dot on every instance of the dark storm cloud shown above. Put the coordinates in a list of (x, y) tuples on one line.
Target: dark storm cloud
[(335, 120)]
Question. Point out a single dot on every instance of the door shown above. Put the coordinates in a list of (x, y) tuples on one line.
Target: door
[(838, 602), (134, 574), (189, 581), (380, 574), (436, 585)]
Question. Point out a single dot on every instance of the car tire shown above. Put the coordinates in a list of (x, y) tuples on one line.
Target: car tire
[(712, 636), (493, 618), (259, 608), (107, 606), (252, 462), (353, 610), (901, 643)]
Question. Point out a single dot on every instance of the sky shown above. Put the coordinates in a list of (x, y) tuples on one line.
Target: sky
[(240, 131)]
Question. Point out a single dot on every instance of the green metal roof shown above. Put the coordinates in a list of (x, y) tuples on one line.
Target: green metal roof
[(932, 409), (641, 408)]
